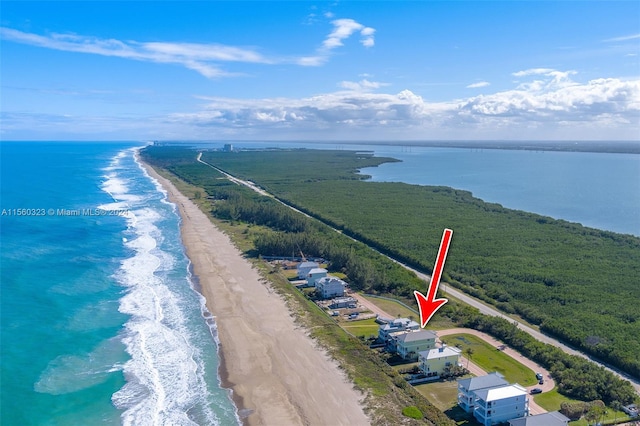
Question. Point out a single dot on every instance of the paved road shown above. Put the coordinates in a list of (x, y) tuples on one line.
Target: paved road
[(485, 309)]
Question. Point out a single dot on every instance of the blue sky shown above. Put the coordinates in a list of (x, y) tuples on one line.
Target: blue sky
[(357, 70)]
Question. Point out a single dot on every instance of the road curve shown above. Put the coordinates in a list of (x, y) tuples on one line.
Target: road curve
[(463, 297)]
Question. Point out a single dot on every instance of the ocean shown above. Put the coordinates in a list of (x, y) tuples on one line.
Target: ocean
[(101, 321)]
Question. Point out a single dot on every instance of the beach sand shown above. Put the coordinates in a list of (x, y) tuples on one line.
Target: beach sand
[(276, 371)]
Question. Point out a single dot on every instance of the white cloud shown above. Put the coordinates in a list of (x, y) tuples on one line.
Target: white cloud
[(551, 106), (343, 29), (198, 57), (362, 85), (547, 104), (624, 38), (202, 58), (478, 85)]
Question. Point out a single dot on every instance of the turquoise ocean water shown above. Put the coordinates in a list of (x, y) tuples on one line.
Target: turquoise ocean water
[(100, 320)]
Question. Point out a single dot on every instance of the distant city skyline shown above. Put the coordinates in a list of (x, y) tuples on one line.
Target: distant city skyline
[(504, 70)]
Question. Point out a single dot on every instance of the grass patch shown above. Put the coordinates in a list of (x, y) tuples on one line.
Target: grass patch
[(490, 359), (551, 400), (396, 310), (443, 395), (413, 412), (365, 328)]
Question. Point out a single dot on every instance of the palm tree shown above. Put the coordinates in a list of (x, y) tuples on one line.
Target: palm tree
[(468, 352)]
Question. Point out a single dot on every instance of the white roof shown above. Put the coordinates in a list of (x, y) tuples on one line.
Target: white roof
[(308, 265), (317, 271), (440, 352), (503, 392)]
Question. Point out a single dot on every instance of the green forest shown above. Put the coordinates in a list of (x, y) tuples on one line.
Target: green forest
[(577, 283)]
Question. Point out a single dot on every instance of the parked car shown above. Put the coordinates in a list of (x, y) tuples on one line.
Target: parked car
[(541, 382), (539, 376), (535, 391), (631, 410)]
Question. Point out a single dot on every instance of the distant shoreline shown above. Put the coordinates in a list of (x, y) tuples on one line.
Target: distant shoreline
[(606, 147)]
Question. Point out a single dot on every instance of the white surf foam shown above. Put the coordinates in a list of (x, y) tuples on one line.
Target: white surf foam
[(165, 375)]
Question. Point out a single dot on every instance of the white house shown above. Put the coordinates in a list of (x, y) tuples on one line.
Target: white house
[(304, 268), (468, 387), (552, 418), (501, 404), (410, 343), (314, 275), (329, 287), (435, 362), (399, 324)]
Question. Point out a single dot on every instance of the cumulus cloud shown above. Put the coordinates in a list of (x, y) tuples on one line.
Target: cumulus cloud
[(551, 103), (478, 85)]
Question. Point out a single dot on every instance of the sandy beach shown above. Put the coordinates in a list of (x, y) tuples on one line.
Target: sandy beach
[(277, 373)]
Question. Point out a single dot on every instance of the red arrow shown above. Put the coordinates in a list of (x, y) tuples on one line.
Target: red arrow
[(429, 305)]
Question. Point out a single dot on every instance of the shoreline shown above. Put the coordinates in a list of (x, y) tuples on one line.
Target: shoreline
[(276, 373)]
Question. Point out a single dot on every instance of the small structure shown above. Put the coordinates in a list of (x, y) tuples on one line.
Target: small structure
[(343, 302), (304, 268), (435, 362), (314, 275), (552, 418), (329, 287), (399, 324), (468, 387), (409, 344), (501, 404), (227, 147)]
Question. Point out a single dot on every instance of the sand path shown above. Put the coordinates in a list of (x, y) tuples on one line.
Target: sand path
[(277, 373)]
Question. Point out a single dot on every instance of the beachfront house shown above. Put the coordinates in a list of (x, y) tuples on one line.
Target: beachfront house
[(343, 302), (409, 344), (398, 324), (314, 275), (304, 268), (467, 388), (501, 404), (435, 362), (552, 418), (329, 287)]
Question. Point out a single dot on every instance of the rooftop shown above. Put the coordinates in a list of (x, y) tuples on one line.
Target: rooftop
[(553, 418), (416, 336), (440, 352), (502, 392), (491, 380)]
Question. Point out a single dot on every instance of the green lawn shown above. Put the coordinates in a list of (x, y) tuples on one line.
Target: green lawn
[(359, 328), (396, 310), (490, 359), (551, 401), (443, 395)]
